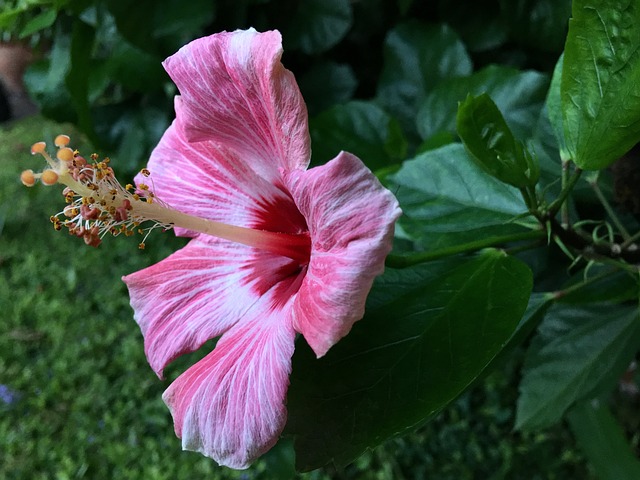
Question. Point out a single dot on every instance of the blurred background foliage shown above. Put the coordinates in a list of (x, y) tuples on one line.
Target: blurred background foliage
[(381, 79), (98, 63)]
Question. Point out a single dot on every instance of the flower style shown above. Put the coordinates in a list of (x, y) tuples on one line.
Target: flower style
[(275, 249)]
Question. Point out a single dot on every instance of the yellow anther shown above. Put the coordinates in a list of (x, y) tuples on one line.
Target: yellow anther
[(49, 177), (38, 147), (141, 246), (143, 186), (70, 211), (28, 178), (128, 187), (65, 154), (62, 141)]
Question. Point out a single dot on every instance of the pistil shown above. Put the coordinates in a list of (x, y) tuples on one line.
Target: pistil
[(98, 204)]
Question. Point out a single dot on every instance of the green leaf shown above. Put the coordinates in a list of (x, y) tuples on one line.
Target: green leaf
[(361, 128), (519, 96), (577, 353), (554, 110), (41, 21), (134, 132), (8, 18), (133, 68), (160, 28), (539, 304), (45, 79), (279, 462), (488, 138), (428, 333), (77, 79), (603, 441), (538, 24), (326, 84), (537, 308), (318, 25), (416, 58), (404, 6), (479, 23), (443, 191), (600, 86), (181, 21)]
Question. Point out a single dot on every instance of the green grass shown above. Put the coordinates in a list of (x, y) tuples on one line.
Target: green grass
[(78, 399)]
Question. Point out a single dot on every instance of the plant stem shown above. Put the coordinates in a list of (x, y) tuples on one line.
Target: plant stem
[(577, 286), (564, 208), (630, 240), (607, 206), (567, 187), (403, 261)]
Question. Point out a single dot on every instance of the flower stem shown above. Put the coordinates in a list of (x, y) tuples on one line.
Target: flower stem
[(403, 261)]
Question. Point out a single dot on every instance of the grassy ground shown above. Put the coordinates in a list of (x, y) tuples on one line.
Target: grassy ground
[(78, 400)]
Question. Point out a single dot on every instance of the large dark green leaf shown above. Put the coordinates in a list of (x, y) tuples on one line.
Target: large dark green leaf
[(442, 191), (491, 144), (326, 84), (577, 353), (416, 58), (45, 79), (428, 333), (478, 23), (77, 80), (603, 441), (318, 25), (540, 24), (161, 28), (361, 128), (519, 96), (554, 110), (133, 68), (600, 87)]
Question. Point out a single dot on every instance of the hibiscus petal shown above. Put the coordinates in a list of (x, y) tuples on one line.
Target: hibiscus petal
[(351, 219), (230, 405), (198, 293), (236, 93), (211, 182)]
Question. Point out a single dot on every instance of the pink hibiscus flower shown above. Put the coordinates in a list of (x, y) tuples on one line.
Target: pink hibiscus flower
[(275, 249)]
